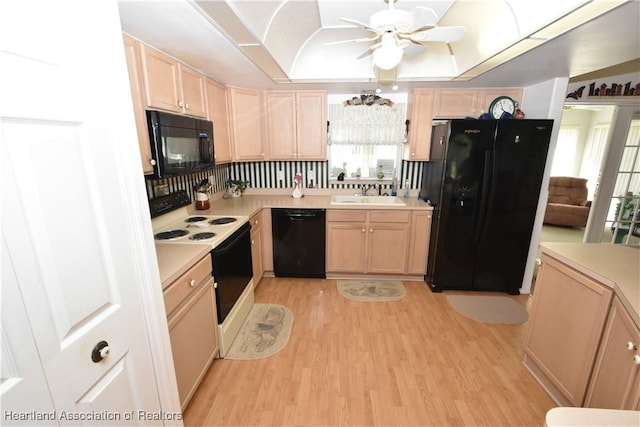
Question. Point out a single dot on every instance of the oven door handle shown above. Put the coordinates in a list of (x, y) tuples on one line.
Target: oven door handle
[(226, 245)]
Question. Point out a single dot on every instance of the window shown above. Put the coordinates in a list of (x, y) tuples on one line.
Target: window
[(366, 139), (624, 209), (565, 149)]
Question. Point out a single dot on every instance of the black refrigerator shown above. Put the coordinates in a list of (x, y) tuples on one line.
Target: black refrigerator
[(484, 180)]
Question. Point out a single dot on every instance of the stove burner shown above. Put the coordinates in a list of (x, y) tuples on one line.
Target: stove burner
[(195, 219), (202, 236), (223, 220), (171, 234)]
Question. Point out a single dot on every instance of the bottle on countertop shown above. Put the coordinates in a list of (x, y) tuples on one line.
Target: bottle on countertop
[(406, 189), (394, 187)]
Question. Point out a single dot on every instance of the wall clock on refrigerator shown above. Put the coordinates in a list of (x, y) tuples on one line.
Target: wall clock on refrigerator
[(501, 105)]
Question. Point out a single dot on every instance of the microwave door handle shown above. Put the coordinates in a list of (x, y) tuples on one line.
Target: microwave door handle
[(205, 150)]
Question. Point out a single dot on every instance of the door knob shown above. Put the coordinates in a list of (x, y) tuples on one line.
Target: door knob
[(100, 351)]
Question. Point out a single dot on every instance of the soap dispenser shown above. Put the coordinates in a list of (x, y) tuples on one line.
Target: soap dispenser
[(297, 186)]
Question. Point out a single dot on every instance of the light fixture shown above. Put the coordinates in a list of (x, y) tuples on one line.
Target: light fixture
[(388, 55)]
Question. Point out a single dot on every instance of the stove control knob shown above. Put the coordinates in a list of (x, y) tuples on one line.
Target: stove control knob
[(100, 351)]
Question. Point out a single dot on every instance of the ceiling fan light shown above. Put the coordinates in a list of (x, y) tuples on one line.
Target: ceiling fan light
[(388, 55)]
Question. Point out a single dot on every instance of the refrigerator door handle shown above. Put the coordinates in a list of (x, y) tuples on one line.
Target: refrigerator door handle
[(484, 196)]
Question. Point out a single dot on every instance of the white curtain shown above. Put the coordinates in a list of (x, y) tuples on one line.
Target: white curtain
[(367, 124)]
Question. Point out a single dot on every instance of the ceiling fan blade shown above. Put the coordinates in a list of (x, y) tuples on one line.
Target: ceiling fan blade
[(364, 39), (424, 16), (420, 29), (438, 34), (369, 51), (360, 24)]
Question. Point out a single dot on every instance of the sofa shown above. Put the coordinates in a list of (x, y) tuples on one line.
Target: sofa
[(567, 203)]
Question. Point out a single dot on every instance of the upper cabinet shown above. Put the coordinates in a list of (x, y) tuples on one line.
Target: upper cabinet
[(218, 113), (246, 125), (171, 85), (461, 103), (134, 66), (420, 118), (296, 125)]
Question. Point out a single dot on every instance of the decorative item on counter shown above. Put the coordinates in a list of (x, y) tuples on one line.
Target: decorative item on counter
[(394, 186), (297, 186), (236, 187), (341, 176), (203, 191), (380, 172), (519, 114)]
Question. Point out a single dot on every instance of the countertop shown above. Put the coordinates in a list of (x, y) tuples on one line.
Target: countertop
[(174, 260), (250, 204), (615, 266)]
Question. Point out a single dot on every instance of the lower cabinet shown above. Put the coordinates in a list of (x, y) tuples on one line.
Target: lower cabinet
[(360, 241), (256, 248), (419, 242), (193, 326), (582, 345), (567, 319), (615, 383)]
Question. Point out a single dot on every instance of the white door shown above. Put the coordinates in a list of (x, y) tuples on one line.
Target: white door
[(71, 221)]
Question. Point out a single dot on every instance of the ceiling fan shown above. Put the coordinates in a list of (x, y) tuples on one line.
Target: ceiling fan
[(397, 29)]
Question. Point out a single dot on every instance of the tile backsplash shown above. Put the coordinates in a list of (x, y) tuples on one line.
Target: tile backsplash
[(273, 174)]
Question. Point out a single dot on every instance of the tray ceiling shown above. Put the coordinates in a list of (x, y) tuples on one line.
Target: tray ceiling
[(281, 44)]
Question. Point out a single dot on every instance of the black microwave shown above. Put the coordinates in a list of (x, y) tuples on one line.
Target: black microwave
[(179, 144)]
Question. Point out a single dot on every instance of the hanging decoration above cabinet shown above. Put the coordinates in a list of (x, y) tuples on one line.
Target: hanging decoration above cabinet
[(368, 98)]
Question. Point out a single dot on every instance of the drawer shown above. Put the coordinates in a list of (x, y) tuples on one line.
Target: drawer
[(337, 215), (187, 283), (389, 216)]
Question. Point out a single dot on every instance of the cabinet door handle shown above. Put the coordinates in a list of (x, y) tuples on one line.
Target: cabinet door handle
[(631, 346), (180, 104), (363, 230), (186, 106), (636, 359), (192, 283), (371, 230)]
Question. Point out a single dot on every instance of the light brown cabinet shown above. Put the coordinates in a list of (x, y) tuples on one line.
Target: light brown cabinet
[(461, 103), (567, 320), (246, 125), (192, 319), (171, 85), (267, 241), (218, 113), (134, 67), (615, 383), (420, 118), (419, 242), (256, 248), (456, 103), (296, 125), (361, 241)]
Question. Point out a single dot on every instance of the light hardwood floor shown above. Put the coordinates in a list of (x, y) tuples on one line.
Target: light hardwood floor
[(414, 362)]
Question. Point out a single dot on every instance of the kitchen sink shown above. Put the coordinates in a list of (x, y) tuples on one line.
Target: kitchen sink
[(366, 200)]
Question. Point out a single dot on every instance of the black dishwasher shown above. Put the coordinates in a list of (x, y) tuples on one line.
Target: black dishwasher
[(298, 242)]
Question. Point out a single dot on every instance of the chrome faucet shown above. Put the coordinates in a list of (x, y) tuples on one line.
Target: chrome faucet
[(366, 187)]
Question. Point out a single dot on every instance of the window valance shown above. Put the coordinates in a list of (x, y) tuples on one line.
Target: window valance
[(367, 124)]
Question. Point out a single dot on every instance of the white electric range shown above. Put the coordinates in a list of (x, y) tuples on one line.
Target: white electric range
[(229, 237)]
